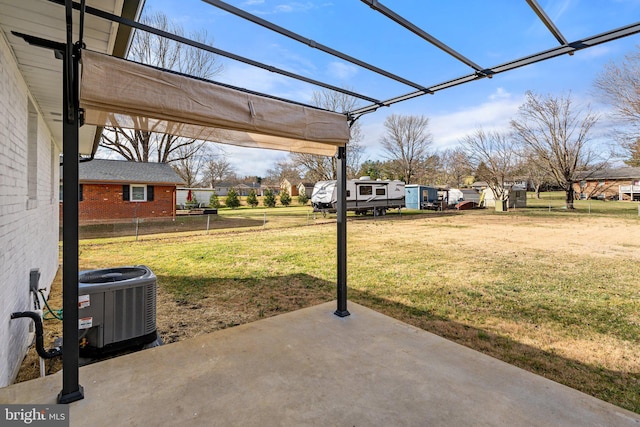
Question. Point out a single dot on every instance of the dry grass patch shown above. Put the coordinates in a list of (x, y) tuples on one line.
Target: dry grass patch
[(556, 295)]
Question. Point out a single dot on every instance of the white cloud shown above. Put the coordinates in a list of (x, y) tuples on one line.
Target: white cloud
[(500, 93), (251, 78), (342, 70), (252, 161), (448, 129), (289, 7), (594, 52), (252, 2)]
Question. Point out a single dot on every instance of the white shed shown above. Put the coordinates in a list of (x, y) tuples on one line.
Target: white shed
[(516, 197)]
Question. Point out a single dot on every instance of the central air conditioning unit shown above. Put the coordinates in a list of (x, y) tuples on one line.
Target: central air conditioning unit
[(116, 309)]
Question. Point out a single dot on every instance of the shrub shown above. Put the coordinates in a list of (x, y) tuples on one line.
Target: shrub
[(214, 202), (303, 198), (232, 201), (285, 198), (252, 199), (269, 199)]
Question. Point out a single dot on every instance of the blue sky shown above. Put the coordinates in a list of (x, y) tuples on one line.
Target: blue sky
[(487, 32)]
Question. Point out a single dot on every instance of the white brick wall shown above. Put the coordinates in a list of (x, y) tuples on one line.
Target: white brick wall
[(28, 228)]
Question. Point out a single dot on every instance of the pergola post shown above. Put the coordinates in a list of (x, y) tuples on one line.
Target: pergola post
[(341, 210), (71, 388)]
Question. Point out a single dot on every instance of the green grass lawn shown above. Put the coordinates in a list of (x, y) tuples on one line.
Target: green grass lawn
[(497, 283), (554, 202), (553, 292)]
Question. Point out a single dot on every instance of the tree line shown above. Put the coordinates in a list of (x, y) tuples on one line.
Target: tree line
[(549, 140)]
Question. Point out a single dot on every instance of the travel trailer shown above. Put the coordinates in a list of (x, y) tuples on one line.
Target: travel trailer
[(363, 195)]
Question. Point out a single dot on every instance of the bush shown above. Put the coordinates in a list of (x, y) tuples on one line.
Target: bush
[(252, 199), (303, 198), (232, 201), (269, 199), (214, 202), (285, 198)]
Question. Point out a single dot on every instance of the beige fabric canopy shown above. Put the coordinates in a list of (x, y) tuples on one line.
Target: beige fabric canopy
[(120, 93)]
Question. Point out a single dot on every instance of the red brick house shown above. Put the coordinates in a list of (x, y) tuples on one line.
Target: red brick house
[(621, 183), (120, 190)]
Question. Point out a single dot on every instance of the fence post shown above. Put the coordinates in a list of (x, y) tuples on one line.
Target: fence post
[(208, 219), (264, 223), (136, 229)]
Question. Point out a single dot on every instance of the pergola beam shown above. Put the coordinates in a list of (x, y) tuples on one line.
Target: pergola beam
[(376, 5), (569, 48), (547, 22), (134, 24), (311, 43)]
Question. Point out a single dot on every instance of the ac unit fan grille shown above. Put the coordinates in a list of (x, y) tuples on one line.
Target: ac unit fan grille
[(150, 308), (112, 275), (129, 320)]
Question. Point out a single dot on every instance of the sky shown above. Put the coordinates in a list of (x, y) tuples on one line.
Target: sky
[(488, 33)]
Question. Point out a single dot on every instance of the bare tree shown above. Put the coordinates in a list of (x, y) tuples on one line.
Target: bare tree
[(316, 168), (455, 166), (147, 48), (320, 168), (619, 86), (189, 169), (282, 170), (495, 157), (427, 170), (216, 169), (203, 168), (557, 134), (536, 175), (407, 141)]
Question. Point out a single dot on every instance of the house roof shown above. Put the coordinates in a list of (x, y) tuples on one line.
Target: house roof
[(40, 68), (614, 173), (102, 170)]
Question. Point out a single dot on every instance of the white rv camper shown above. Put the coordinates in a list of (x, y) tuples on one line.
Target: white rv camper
[(363, 195)]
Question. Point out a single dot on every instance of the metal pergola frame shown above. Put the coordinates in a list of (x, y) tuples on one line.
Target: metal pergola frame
[(70, 53)]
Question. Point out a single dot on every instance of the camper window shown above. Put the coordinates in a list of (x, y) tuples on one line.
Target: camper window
[(366, 190), (380, 192)]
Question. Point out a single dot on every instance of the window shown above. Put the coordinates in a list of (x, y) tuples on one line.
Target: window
[(601, 183), (380, 192), (137, 193), (366, 190)]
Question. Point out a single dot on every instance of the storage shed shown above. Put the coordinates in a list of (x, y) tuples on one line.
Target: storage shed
[(516, 196), (418, 196), (470, 195)]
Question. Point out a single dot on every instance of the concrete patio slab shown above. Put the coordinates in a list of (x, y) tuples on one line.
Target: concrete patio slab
[(309, 368)]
